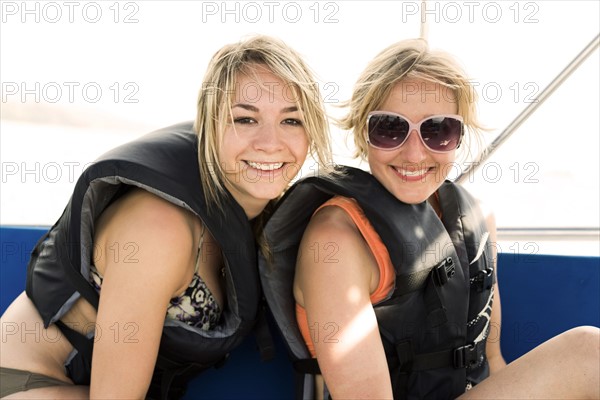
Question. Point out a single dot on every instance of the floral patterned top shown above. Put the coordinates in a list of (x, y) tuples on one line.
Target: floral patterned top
[(196, 306)]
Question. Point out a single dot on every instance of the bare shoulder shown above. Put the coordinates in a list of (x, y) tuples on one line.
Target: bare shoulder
[(331, 222), (148, 229), (331, 228), (144, 208), (332, 251)]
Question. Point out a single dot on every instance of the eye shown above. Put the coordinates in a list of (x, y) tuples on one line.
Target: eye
[(244, 120), (292, 122)]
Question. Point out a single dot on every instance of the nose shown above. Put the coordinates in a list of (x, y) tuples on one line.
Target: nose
[(413, 150), (268, 138)]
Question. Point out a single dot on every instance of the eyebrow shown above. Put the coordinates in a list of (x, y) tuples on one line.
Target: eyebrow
[(245, 107), (252, 108), (290, 109)]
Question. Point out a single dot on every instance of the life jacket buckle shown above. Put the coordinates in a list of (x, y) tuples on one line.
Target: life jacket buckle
[(484, 279), (465, 356), (444, 271)]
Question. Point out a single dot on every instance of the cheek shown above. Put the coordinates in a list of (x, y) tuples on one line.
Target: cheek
[(379, 158), (447, 164), (227, 146), (298, 145), (378, 162)]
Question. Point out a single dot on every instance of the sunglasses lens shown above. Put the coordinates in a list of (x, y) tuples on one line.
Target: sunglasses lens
[(387, 131), (442, 133)]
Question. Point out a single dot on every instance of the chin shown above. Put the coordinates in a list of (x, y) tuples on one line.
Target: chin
[(411, 198), (268, 193)]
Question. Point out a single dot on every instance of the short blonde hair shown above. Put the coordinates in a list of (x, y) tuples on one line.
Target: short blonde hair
[(218, 90), (409, 59)]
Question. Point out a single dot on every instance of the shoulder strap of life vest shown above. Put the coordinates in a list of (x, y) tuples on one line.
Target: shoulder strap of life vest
[(472, 241)]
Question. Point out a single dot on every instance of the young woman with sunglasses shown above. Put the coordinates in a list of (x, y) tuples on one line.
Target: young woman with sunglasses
[(150, 275), (394, 283)]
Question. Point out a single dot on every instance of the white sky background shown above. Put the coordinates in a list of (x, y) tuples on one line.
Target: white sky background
[(148, 59)]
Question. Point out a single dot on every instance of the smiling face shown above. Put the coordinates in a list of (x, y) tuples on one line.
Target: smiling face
[(264, 143), (412, 172)]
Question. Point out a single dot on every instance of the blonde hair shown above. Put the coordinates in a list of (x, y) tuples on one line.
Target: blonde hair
[(218, 89), (409, 59)]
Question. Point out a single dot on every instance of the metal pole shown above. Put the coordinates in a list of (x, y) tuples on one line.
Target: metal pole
[(527, 111), (424, 34)]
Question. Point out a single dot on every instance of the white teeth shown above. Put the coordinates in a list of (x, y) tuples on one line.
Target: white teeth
[(411, 173), (265, 166)]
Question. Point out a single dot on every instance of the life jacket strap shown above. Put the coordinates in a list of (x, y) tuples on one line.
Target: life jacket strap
[(434, 299), (80, 367), (460, 357), (307, 366)]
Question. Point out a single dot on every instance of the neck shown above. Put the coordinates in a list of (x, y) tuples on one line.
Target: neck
[(252, 206), (434, 202), (253, 210)]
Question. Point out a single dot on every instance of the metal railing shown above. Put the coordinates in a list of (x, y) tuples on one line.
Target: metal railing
[(530, 109)]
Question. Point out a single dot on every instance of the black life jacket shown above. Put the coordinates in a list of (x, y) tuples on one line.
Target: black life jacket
[(164, 163), (435, 322)]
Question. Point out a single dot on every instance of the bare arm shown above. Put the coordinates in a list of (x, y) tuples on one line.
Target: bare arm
[(335, 275), (144, 250), (493, 351)]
